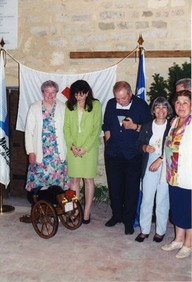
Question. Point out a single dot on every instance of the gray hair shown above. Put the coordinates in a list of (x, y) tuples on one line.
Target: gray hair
[(119, 85), (161, 101), (186, 82), (49, 83)]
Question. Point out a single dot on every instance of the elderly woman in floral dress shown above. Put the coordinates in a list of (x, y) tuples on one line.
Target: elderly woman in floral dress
[(45, 144)]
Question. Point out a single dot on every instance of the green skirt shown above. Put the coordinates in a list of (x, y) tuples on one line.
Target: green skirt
[(85, 166)]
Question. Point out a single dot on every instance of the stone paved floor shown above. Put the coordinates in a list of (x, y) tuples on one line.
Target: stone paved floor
[(91, 253)]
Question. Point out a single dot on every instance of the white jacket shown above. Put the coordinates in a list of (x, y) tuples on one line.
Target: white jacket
[(33, 130)]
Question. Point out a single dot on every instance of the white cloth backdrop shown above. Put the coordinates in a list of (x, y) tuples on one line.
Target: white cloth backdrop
[(30, 82)]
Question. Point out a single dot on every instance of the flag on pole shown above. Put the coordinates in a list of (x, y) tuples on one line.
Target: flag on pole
[(141, 86), (4, 135), (141, 93)]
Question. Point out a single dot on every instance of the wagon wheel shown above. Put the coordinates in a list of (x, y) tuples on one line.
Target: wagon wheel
[(72, 219), (44, 219)]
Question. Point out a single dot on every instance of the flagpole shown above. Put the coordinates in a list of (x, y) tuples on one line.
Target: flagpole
[(3, 208), (141, 93)]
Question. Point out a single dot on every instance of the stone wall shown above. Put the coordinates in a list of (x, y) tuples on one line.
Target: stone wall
[(48, 30)]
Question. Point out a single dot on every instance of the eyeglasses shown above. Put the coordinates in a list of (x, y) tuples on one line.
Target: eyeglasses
[(81, 94)]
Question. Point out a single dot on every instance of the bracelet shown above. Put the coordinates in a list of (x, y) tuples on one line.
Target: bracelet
[(72, 147), (137, 127)]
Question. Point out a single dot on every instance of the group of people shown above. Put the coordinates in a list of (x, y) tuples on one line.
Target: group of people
[(144, 150), (62, 142)]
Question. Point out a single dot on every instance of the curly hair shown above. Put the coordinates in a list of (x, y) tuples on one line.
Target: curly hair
[(49, 83)]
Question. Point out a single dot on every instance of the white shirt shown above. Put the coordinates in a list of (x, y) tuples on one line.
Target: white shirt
[(157, 137)]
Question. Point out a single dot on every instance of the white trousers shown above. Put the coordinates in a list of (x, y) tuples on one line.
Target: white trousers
[(151, 186)]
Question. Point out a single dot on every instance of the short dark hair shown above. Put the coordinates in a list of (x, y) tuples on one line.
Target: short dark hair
[(49, 83), (185, 93), (161, 101)]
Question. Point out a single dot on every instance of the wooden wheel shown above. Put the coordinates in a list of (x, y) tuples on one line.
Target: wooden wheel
[(72, 219), (44, 219)]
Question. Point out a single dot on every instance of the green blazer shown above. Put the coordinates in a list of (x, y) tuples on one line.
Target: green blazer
[(88, 138)]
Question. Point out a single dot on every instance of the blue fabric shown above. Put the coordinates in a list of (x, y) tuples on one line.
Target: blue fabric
[(180, 207), (136, 222), (141, 88), (123, 178), (123, 141)]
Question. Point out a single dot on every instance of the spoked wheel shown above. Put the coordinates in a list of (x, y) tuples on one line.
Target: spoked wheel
[(72, 219), (44, 219)]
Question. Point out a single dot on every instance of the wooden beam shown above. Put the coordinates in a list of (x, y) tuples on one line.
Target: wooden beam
[(122, 54)]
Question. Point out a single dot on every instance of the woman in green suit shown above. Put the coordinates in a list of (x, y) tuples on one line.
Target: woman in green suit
[(82, 128)]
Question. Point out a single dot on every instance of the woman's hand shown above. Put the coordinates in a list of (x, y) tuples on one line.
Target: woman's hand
[(32, 158), (78, 151), (155, 165), (148, 149), (75, 150), (81, 151)]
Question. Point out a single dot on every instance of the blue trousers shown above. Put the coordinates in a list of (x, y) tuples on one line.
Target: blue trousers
[(123, 177)]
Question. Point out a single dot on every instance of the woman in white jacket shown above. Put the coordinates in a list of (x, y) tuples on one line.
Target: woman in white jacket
[(45, 143), (178, 152)]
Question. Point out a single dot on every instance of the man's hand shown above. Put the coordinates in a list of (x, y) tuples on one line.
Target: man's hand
[(129, 124)]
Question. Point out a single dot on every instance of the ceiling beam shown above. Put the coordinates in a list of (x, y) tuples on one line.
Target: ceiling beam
[(122, 54)]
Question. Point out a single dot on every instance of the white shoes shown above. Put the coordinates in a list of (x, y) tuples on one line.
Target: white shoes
[(172, 246), (184, 252)]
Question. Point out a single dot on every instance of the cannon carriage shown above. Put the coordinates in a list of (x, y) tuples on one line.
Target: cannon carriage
[(51, 205)]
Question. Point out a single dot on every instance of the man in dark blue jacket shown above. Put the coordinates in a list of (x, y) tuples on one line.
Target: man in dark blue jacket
[(123, 118)]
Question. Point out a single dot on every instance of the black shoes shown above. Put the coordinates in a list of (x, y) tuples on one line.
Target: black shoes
[(158, 238), (141, 237), (86, 221), (129, 230), (25, 218), (112, 222)]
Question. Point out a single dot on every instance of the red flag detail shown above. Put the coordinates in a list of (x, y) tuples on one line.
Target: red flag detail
[(65, 92)]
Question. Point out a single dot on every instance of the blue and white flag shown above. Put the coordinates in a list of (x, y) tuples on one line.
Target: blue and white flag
[(141, 86), (141, 93), (4, 136)]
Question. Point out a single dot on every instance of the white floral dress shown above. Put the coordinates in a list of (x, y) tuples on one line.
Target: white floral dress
[(52, 171)]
